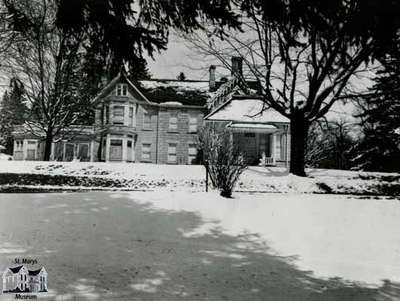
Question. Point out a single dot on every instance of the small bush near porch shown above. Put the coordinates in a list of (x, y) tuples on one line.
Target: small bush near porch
[(223, 161)]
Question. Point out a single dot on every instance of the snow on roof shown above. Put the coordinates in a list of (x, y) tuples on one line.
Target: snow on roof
[(172, 103), (178, 85), (188, 92), (246, 110), (253, 127)]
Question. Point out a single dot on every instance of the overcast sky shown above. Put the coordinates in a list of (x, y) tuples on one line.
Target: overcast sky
[(179, 57)]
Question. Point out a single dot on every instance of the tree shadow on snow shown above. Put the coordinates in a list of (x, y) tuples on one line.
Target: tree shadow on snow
[(131, 251)]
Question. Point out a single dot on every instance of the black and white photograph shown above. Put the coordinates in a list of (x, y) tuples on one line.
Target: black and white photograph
[(237, 150)]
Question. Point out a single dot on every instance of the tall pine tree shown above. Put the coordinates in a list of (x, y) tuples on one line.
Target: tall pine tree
[(12, 112), (379, 149)]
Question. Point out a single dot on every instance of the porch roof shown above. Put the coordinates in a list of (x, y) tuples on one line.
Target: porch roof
[(252, 127), (246, 109)]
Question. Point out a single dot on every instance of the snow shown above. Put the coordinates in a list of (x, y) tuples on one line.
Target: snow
[(5, 157), (247, 110), (333, 236), (172, 103), (202, 86), (141, 176)]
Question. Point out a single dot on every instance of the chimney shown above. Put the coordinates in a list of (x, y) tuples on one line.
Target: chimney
[(212, 84), (237, 65)]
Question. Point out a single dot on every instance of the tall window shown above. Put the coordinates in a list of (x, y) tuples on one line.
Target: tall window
[(118, 115), (122, 90), (146, 121), (192, 153), (107, 114), (171, 152), (131, 116), (173, 123), (146, 151), (19, 144), (192, 124)]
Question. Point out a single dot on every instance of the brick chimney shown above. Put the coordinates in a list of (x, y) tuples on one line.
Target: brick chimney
[(237, 65), (212, 84)]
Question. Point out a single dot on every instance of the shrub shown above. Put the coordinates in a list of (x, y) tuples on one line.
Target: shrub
[(221, 158)]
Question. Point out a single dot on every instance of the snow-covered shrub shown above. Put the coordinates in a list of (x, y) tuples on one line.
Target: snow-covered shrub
[(221, 158)]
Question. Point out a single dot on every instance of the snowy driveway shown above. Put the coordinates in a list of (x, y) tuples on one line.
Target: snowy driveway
[(198, 246)]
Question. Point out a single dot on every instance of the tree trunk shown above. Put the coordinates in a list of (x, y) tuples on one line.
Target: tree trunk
[(47, 146), (299, 132)]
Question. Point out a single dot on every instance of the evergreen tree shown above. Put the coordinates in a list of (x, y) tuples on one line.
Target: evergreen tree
[(379, 149), (12, 112)]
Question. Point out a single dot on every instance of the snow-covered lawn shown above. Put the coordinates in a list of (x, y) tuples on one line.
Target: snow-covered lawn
[(5, 157), (199, 246), (137, 176)]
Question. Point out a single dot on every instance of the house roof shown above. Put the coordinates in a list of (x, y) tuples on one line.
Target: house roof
[(15, 270), (246, 109), (34, 272), (187, 92), (252, 127), (121, 77)]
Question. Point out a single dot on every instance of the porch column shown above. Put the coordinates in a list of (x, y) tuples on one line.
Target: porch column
[(92, 150), (64, 147), (272, 150), (289, 143), (107, 150), (133, 148), (124, 148), (52, 151), (24, 148), (277, 149)]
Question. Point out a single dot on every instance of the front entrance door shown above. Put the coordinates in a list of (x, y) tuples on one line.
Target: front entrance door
[(116, 150)]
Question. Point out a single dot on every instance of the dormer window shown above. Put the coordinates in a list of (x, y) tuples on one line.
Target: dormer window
[(122, 90)]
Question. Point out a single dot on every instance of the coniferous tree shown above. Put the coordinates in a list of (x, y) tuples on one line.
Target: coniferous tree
[(379, 149), (13, 112)]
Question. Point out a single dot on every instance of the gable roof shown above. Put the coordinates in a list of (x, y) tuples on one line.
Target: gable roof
[(34, 272), (15, 270), (121, 77), (246, 109)]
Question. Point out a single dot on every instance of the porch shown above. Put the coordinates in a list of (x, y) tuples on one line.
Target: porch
[(261, 144)]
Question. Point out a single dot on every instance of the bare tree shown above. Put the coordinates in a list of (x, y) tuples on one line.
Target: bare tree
[(303, 69), (47, 60), (223, 161), (328, 144)]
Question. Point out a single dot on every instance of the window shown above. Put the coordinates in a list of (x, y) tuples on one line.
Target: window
[(118, 115), (146, 151), (192, 153), (193, 124), (19, 144), (250, 135), (122, 90), (129, 144), (173, 123), (146, 121), (106, 115), (131, 116), (171, 152)]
